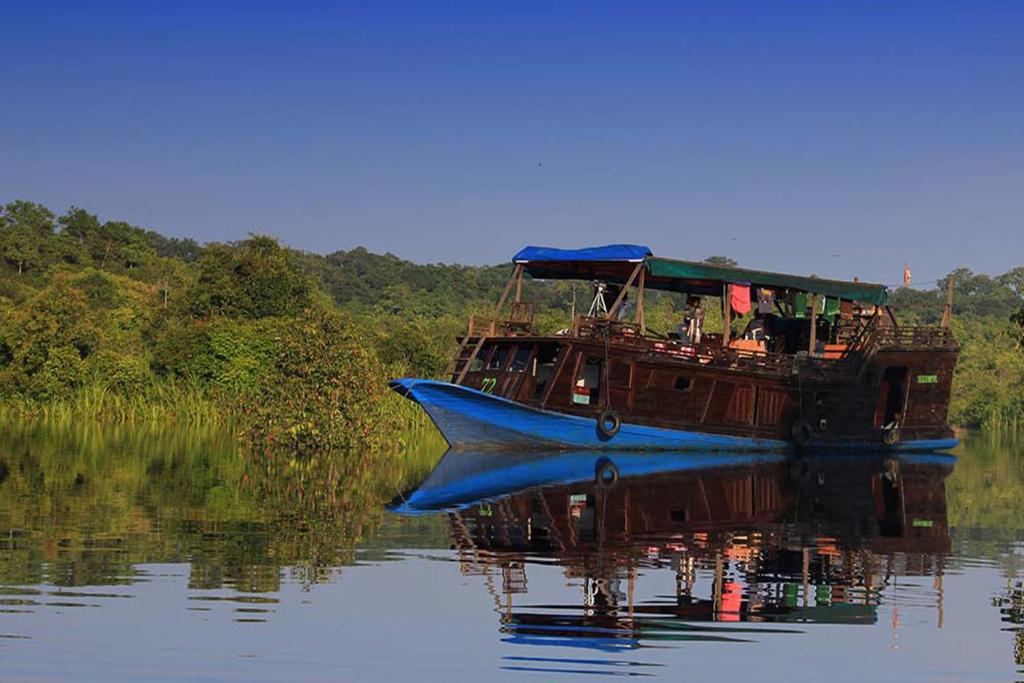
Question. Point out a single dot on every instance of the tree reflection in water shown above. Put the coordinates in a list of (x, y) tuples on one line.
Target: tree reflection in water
[(86, 504)]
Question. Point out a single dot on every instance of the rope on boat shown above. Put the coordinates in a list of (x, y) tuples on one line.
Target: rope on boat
[(607, 371)]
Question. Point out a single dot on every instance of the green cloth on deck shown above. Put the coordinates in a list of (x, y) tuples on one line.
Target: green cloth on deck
[(800, 302), (831, 306)]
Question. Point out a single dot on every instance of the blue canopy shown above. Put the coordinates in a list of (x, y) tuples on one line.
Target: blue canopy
[(611, 252)]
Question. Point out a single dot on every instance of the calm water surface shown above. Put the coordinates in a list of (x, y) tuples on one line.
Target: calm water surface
[(147, 554)]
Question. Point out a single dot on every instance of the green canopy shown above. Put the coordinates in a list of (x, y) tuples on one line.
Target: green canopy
[(697, 277)]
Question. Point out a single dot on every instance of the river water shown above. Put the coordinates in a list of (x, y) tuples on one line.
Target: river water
[(165, 555)]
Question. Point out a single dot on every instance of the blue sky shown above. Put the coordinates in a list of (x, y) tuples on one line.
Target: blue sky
[(833, 137)]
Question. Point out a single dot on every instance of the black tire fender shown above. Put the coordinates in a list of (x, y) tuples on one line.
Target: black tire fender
[(608, 423), (606, 474), (803, 433), (799, 469)]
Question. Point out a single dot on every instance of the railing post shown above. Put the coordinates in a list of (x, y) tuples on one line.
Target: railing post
[(622, 295), (947, 313), (726, 314), (516, 274), (640, 304), (814, 324)]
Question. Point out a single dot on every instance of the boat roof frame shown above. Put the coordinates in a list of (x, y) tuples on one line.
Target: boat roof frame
[(617, 264)]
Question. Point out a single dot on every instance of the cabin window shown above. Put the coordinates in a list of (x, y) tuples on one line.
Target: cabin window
[(587, 390), (498, 358), (683, 383), (662, 381), (621, 374), (521, 359), (544, 368)]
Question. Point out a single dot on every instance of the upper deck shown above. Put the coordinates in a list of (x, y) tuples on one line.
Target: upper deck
[(810, 326)]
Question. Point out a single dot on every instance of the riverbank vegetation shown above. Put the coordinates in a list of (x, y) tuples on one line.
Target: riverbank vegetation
[(88, 502), (102, 319)]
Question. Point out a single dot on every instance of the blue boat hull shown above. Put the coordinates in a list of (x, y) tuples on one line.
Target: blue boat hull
[(465, 478), (468, 418)]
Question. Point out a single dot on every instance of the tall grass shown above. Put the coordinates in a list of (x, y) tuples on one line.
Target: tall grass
[(999, 421), (165, 402)]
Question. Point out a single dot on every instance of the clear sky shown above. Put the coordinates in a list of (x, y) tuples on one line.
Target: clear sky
[(839, 138)]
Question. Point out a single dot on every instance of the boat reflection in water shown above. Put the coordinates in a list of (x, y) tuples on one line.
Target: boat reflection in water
[(748, 538)]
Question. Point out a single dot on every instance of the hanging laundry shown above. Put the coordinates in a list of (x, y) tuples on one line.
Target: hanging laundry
[(765, 301), (831, 306), (800, 305), (739, 298)]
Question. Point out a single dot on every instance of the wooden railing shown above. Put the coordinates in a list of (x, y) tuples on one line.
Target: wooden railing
[(862, 344), (923, 337), (718, 356), (480, 327)]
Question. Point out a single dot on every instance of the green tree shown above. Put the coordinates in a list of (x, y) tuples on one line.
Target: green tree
[(25, 232), (1014, 279), (323, 394), (252, 279), (80, 239), (47, 340)]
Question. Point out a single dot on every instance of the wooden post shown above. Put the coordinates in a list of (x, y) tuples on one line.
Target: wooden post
[(625, 288), (726, 314), (508, 288), (640, 304), (805, 574), (892, 317), (718, 584), (814, 324), (630, 593), (947, 313)]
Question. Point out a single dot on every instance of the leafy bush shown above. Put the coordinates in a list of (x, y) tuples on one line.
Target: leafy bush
[(101, 289), (324, 393), (48, 339), (231, 356), (989, 374), (252, 279), (60, 372), (124, 374)]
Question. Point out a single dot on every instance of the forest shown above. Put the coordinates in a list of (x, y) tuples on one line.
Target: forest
[(103, 319)]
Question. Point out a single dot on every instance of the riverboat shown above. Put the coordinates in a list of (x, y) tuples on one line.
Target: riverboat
[(821, 364)]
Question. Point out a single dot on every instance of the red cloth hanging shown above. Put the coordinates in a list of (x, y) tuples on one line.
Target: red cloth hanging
[(739, 298)]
